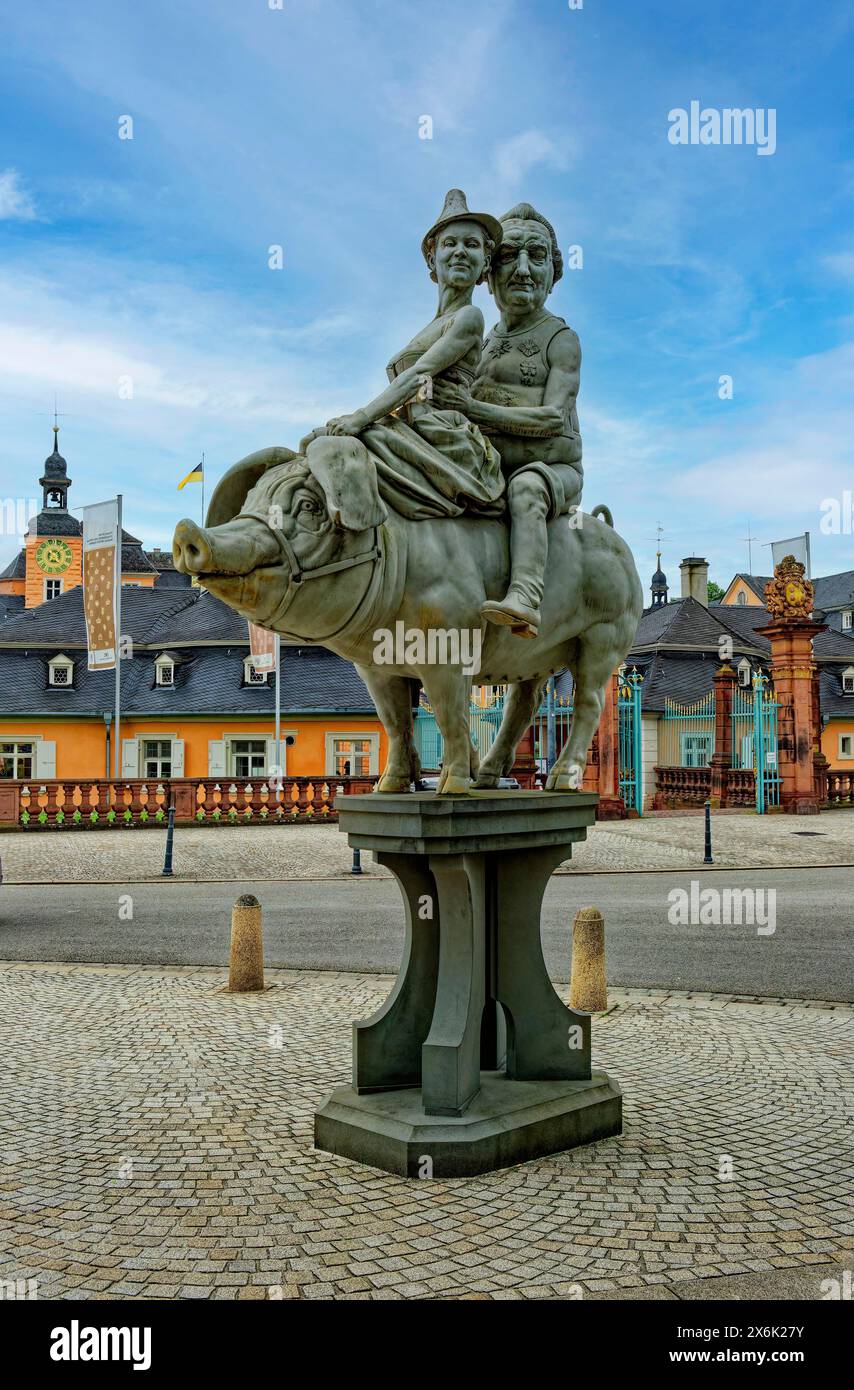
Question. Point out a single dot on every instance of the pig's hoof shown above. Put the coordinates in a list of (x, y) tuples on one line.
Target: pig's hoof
[(453, 786), (486, 781), (391, 783), (567, 780)]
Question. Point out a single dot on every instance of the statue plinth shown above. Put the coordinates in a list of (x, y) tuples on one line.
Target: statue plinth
[(473, 1062)]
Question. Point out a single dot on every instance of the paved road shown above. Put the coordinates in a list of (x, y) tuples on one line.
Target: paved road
[(357, 925)]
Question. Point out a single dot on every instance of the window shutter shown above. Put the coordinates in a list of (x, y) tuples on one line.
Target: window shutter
[(177, 757), (216, 757), (45, 758), (130, 757)]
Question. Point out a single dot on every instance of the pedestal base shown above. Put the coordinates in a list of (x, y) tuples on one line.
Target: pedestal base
[(473, 1062), (508, 1122)]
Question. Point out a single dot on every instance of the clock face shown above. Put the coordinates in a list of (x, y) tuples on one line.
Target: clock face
[(54, 557)]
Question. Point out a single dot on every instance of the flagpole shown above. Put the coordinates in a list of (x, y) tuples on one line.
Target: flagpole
[(277, 647), (203, 487), (117, 747)]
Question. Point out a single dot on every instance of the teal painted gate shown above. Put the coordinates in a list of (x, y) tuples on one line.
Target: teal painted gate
[(554, 718), (754, 740), (631, 741)]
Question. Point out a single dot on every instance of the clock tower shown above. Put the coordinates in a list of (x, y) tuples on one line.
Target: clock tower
[(54, 548)]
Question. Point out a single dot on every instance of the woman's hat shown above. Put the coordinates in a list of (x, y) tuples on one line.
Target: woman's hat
[(456, 208)]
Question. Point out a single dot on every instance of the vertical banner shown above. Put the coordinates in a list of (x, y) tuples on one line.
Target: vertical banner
[(101, 561), (262, 647), (799, 546)]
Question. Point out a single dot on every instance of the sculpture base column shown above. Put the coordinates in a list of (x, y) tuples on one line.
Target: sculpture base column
[(473, 1062), (508, 1122)]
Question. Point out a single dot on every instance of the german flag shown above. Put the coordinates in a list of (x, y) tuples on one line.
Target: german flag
[(195, 475)]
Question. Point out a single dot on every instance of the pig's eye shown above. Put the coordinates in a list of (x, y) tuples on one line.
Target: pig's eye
[(310, 507)]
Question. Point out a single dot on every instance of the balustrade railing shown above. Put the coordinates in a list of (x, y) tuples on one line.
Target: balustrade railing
[(840, 788), (681, 786), (68, 804)]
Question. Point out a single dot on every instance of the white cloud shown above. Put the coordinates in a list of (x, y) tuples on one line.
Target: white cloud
[(841, 264), (15, 202), (513, 158)]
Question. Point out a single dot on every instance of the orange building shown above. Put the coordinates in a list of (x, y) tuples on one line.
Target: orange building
[(192, 704)]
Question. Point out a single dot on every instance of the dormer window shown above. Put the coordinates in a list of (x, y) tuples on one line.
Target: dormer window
[(848, 681), (60, 671), (741, 601), (847, 619), (744, 673), (253, 675), (164, 668)]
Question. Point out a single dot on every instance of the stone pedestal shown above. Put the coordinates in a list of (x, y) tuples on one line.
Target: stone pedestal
[(793, 671), (473, 1062)]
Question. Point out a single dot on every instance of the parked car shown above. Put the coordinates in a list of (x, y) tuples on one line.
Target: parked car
[(505, 784)]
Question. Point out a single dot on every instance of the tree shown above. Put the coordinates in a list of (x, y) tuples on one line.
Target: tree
[(716, 593)]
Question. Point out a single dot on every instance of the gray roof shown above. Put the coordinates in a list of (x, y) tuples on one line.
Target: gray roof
[(17, 568), (835, 590), (209, 642), (834, 703)]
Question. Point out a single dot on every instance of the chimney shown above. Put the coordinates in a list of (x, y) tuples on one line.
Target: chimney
[(695, 579)]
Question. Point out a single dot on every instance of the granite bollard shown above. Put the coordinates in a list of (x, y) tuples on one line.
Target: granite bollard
[(588, 991), (246, 966)]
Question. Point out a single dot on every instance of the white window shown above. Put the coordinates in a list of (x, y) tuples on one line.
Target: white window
[(744, 673), (696, 749), (60, 671), (846, 745), (742, 599), (16, 759), (165, 670), (848, 681), (252, 675), (352, 755), (847, 619), (156, 757), (248, 757), (52, 588)]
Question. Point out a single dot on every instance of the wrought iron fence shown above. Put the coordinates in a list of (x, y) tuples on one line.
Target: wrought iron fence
[(687, 733)]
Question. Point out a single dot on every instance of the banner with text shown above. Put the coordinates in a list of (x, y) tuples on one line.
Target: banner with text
[(262, 646), (101, 577)]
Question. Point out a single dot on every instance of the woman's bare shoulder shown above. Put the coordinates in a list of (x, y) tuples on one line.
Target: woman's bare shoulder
[(468, 319)]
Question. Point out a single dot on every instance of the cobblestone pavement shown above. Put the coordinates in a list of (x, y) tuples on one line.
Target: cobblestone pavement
[(157, 1142), (664, 841)]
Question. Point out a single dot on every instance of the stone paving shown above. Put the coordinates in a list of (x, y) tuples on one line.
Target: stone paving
[(666, 841), (156, 1141)]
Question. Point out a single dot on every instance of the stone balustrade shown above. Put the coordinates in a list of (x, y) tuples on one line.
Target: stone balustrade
[(102, 804)]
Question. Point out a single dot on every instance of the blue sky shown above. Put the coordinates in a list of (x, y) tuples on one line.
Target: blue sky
[(254, 126)]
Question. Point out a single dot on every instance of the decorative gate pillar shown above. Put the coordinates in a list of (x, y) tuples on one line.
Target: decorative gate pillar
[(611, 803), (724, 681), (790, 597), (524, 768)]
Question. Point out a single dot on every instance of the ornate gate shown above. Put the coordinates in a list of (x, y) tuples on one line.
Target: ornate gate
[(754, 740), (631, 743)]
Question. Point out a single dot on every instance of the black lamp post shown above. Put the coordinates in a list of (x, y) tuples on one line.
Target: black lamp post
[(108, 719)]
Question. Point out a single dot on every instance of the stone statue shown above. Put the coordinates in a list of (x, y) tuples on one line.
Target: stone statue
[(523, 398), (434, 460), (399, 520), (278, 521)]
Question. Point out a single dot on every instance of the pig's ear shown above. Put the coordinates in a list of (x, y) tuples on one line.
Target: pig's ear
[(348, 476), (231, 491)]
